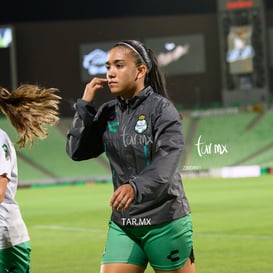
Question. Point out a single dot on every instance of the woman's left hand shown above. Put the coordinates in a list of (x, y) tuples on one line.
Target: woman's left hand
[(123, 197)]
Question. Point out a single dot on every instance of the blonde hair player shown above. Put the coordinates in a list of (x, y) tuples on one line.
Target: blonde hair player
[(28, 108)]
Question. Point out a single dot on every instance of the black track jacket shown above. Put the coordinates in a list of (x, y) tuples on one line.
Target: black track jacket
[(142, 138)]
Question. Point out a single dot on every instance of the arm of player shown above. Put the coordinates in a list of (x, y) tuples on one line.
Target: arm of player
[(3, 186)]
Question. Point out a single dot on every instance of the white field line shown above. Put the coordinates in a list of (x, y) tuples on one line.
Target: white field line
[(65, 228), (234, 236), (197, 234)]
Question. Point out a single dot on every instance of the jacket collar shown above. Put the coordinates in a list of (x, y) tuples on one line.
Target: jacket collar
[(136, 100)]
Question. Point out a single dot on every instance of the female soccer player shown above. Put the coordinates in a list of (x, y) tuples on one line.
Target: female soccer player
[(140, 132), (28, 108)]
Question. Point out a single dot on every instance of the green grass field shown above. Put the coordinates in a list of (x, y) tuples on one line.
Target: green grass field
[(233, 225)]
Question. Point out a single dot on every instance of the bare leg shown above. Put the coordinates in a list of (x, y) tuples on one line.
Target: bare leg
[(121, 268)]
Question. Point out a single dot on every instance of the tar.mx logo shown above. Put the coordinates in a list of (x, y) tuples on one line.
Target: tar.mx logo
[(136, 221), (204, 148)]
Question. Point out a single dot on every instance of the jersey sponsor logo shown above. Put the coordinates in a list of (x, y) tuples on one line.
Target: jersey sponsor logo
[(113, 126), (141, 125)]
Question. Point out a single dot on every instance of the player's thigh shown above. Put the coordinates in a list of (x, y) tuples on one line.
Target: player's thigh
[(121, 268), (121, 249), (169, 246)]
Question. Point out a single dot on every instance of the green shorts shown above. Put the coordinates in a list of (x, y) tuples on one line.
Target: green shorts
[(165, 246), (16, 258)]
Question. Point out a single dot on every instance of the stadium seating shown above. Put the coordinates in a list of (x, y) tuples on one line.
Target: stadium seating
[(212, 141), (247, 137), (48, 160)]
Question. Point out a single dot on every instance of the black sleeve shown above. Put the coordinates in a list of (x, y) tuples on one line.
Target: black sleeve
[(84, 138)]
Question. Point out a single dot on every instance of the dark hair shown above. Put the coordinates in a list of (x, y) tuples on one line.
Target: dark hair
[(146, 56), (29, 108)]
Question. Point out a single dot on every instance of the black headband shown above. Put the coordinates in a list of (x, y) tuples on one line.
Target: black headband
[(143, 59)]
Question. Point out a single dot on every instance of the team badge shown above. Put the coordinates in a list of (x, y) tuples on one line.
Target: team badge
[(141, 125), (6, 150)]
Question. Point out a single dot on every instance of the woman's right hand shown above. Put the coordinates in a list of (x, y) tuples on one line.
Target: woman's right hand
[(92, 87)]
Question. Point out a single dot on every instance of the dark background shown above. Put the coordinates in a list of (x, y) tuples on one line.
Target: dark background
[(15, 11), (19, 11), (48, 36)]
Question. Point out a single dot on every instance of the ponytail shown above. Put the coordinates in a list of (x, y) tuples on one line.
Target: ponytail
[(155, 77)]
